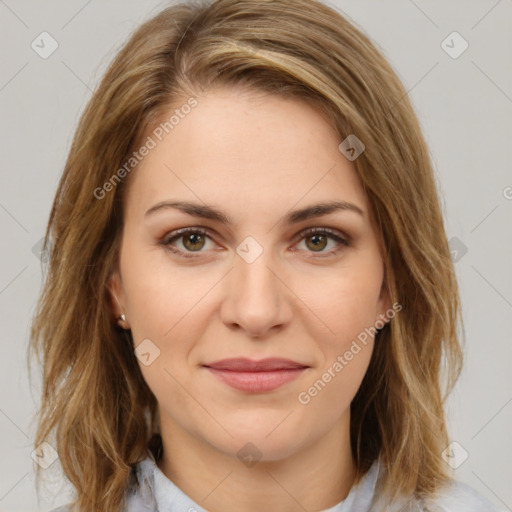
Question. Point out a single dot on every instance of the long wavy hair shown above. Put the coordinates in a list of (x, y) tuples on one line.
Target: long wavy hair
[(95, 405)]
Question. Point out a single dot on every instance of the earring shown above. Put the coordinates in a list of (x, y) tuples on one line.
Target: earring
[(122, 317)]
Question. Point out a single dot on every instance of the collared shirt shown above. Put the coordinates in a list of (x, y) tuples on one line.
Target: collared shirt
[(152, 491), (158, 493)]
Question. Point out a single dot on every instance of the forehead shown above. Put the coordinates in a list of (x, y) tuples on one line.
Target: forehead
[(246, 149)]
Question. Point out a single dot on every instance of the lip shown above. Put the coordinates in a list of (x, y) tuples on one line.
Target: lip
[(243, 364), (256, 376)]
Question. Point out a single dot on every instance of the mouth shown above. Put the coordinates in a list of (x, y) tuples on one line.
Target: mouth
[(256, 376)]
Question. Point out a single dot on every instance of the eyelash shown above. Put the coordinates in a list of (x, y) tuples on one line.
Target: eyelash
[(180, 233)]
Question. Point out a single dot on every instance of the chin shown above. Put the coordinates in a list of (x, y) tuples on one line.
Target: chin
[(265, 439), (250, 450)]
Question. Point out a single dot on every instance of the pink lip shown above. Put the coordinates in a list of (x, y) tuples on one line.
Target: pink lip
[(256, 376)]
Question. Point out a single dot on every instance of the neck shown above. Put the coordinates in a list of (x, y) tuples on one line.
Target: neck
[(315, 477)]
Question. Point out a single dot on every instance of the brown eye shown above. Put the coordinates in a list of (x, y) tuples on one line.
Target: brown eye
[(317, 242), (193, 241)]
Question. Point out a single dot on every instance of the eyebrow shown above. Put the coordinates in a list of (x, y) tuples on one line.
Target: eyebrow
[(293, 217)]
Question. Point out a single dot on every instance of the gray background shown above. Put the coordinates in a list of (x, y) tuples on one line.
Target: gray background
[(465, 107)]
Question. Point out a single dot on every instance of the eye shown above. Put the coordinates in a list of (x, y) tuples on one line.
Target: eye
[(194, 240), (316, 240)]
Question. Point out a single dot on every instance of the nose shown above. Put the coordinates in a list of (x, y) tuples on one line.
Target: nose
[(257, 299)]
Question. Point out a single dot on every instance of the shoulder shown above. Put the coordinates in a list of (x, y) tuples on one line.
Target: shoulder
[(139, 493), (458, 497), (455, 496)]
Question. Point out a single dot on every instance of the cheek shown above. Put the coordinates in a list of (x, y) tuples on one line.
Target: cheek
[(160, 309), (343, 304), (163, 306), (158, 295), (345, 338), (332, 389)]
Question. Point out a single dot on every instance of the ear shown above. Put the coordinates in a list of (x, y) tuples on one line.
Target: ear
[(117, 300)]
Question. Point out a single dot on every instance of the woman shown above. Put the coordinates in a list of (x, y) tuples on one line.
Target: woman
[(257, 283)]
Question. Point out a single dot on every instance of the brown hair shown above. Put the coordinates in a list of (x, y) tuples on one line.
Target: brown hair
[(94, 398)]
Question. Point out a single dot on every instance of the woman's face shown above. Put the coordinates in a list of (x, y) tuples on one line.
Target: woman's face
[(254, 283)]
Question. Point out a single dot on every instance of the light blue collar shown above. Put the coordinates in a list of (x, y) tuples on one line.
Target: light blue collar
[(156, 493)]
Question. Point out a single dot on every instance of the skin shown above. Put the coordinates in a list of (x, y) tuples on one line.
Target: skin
[(256, 157)]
